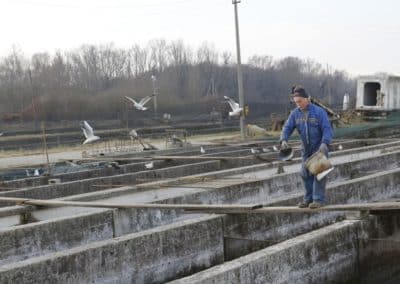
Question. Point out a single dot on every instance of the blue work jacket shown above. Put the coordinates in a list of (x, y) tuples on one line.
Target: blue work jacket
[(313, 130)]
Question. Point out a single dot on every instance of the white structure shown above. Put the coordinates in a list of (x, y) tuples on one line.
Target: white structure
[(378, 93), (346, 99)]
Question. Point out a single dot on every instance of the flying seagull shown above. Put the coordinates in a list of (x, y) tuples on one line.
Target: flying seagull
[(140, 105), (236, 110), (88, 132)]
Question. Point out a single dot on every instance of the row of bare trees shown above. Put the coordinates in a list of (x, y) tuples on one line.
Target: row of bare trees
[(90, 82)]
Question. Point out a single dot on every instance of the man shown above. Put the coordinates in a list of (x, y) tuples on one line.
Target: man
[(313, 125)]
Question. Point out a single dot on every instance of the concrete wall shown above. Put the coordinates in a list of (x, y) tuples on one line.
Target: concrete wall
[(351, 251), (327, 255), (380, 251), (153, 256), (84, 186), (264, 228), (20, 242), (243, 233)]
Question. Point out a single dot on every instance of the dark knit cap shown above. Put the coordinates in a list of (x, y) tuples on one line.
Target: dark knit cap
[(299, 91)]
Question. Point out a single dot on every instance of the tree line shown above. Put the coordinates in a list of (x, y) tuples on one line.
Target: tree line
[(90, 82)]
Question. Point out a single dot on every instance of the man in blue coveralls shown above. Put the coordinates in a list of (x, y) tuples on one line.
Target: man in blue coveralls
[(313, 125)]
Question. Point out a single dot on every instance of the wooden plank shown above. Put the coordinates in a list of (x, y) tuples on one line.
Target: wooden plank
[(111, 185), (376, 206), (211, 208), (199, 207), (198, 158), (159, 158)]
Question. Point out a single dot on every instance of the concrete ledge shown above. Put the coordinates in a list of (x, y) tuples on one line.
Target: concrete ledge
[(21, 242), (267, 228), (326, 255), (153, 256), (85, 186)]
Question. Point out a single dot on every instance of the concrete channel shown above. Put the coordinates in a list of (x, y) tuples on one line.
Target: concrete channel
[(88, 245)]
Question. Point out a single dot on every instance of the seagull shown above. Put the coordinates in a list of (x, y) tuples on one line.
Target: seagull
[(1, 133), (71, 163), (176, 140), (27, 173), (147, 146), (149, 166), (254, 151), (236, 110), (114, 165), (88, 132), (202, 150), (36, 173), (275, 148), (140, 105), (340, 147), (133, 134)]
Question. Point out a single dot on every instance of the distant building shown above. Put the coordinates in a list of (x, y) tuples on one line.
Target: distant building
[(378, 93)]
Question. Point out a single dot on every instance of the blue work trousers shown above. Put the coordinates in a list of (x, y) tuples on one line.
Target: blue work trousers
[(314, 189)]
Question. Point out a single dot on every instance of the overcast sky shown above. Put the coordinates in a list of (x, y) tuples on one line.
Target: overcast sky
[(359, 36)]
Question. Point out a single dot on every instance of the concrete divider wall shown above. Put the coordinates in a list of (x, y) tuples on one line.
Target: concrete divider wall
[(327, 255), (127, 221), (252, 227), (21, 242), (39, 238), (374, 187), (385, 161), (137, 166), (84, 186), (248, 230), (154, 256), (244, 228), (262, 228), (246, 233), (380, 250)]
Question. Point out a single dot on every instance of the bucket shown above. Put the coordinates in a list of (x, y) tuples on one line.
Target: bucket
[(318, 165), (285, 154)]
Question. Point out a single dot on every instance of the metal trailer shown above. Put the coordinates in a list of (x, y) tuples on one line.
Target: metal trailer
[(378, 95)]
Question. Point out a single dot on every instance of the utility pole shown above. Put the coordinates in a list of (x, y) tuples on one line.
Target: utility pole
[(328, 85), (155, 94), (33, 99), (239, 71)]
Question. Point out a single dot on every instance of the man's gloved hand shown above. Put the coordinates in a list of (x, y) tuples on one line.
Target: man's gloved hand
[(324, 148), (284, 145)]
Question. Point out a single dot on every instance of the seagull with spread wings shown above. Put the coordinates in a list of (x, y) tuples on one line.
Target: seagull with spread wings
[(236, 110), (140, 105), (88, 132)]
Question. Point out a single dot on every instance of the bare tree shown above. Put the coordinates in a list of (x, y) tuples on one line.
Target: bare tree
[(158, 54), (139, 59), (264, 62)]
